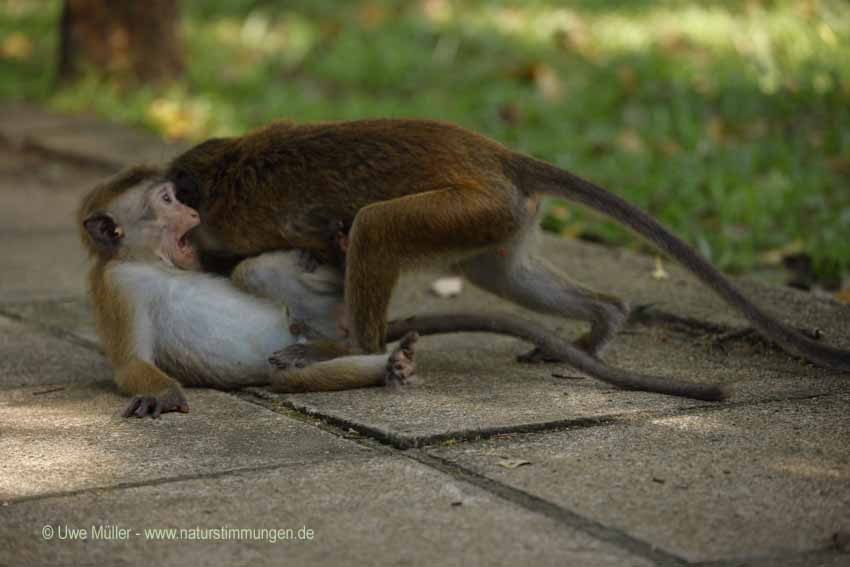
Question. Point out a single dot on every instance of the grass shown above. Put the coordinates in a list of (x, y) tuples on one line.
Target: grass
[(729, 120)]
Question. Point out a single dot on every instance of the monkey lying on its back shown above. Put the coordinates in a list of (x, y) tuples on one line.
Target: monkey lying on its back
[(163, 324)]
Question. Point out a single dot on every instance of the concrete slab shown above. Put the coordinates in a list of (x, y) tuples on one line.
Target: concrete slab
[(38, 195), (44, 265), (30, 357), (629, 276), (470, 385), (73, 439), (465, 391), (757, 480), (84, 138), (73, 316), (362, 511)]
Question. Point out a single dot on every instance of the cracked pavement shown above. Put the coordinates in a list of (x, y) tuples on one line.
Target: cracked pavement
[(482, 462)]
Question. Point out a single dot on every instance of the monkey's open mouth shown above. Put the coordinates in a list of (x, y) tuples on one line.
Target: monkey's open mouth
[(184, 245)]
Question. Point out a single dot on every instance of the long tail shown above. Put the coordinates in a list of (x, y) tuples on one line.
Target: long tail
[(551, 344), (539, 176)]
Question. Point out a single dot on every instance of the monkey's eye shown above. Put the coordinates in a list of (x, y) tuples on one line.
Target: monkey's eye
[(166, 197)]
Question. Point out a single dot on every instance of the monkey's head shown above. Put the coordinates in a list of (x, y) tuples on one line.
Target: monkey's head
[(136, 216)]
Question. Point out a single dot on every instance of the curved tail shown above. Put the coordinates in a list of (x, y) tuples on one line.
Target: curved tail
[(554, 345), (538, 176)]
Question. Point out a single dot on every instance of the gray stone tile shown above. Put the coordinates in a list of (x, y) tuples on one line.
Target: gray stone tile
[(74, 439), (629, 275), (38, 195), (31, 357), (73, 316), (763, 480), (45, 265), (84, 137), (363, 511)]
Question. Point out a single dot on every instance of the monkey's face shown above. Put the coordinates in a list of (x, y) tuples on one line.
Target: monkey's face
[(146, 222), (172, 221)]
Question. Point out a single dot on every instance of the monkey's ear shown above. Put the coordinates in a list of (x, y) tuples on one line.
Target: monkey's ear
[(104, 232)]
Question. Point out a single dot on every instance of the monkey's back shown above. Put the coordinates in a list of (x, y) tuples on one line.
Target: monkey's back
[(284, 184)]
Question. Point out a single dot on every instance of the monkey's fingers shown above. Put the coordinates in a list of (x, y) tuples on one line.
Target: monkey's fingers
[(154, 406), (130, 410)]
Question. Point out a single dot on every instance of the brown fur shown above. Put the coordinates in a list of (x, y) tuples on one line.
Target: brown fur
[(415, 190)]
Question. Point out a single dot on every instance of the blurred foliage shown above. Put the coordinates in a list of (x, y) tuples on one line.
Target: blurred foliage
[(729, 120)]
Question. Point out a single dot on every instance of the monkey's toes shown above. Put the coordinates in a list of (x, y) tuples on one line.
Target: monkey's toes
[(290, 358), (307, 261), (400, 364)]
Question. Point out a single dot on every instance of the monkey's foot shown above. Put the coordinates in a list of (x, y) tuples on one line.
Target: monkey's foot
[(537, 356), (153, 406), (400, 364), (300, 355), (307, 261)]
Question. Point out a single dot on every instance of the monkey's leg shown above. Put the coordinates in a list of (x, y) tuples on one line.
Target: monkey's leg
[(517, 274), (282, 277), (313, 298), (349, 372), (450, 223), (300, 355), (154, 392)]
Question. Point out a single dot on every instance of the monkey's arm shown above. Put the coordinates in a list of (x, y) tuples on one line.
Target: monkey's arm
[(347, 372), (555, 346), (127, 336), (154, 392)]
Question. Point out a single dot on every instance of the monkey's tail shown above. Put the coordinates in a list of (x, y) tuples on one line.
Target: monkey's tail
[(551, 344), (555, 181)]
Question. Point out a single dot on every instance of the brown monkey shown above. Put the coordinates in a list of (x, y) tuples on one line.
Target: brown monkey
[(416, 192), (162, 326)]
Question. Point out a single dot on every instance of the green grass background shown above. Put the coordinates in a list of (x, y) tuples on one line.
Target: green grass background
[(729, 120)]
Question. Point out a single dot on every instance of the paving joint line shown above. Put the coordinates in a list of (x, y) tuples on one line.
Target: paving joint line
[(171, 479), (474, 435), (52, 330)]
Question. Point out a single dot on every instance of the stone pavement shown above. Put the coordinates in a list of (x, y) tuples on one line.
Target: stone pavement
[(483, 462)]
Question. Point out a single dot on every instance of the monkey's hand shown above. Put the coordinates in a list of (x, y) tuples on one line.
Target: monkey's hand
[(170, 399), (400, 364)]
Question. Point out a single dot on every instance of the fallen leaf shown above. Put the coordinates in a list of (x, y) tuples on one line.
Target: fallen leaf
[(775, 256), (839, 164), (513, 463), (447, 287), (716, 129), (843, 295), (16, 46), (544, 78), (659, 273), (560, 213), (511, 113), (631, 141), (627, 76)]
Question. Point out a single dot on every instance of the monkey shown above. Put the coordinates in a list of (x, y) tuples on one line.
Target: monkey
[(419, 192), (164, 324)]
